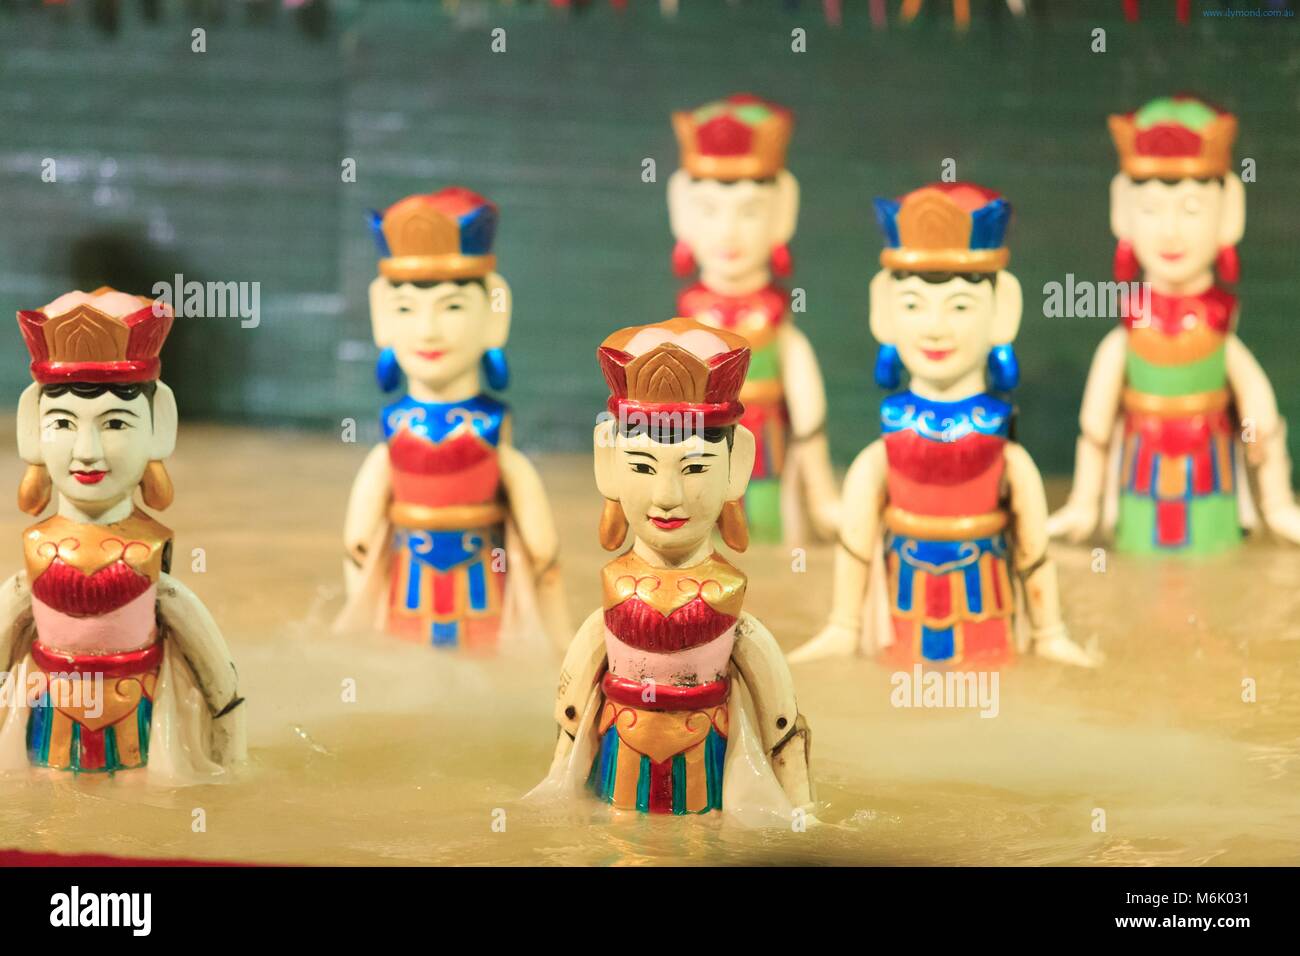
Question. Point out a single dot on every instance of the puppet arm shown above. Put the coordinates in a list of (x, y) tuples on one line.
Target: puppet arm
[(787, 739), (16, 622), (367, 505), (1264, 438), (864, 492), (198, 639), (1036, 570), (805, 396), (1077, 520), (584, 664), (531, 511)]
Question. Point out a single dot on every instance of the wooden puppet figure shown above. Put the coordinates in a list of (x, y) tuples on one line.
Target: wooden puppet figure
[(951, 505), (113, 664), (1173, 386), (449, 535), (672, 698), (733, 207)]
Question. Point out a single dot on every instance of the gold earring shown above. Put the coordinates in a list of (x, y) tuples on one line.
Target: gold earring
[(156, 486), (613, 525), (734, 527), (34, 489)]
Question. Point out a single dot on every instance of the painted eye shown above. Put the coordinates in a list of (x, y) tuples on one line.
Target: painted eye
[(61, 424), (404, 308), (641, 468), (695, 468), (117, 424)]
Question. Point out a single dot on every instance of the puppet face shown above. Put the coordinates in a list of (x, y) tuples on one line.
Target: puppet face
[(1177, 229), (671, 493), (943, 331), (95, 449), (439, 333), (733, 227)]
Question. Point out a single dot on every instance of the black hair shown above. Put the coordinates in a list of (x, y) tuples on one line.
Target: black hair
[(939, 278), (434, 283), (123, 390), (669, 430), (1178, 179), (758, 180)]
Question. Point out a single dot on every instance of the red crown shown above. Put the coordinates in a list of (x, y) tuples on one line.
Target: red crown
[(85, 344), (676, 367)]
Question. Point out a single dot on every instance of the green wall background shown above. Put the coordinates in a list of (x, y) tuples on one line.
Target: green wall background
[(225, 166)]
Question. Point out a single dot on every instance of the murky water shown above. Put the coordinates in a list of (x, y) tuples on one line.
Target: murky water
[(436, 749)]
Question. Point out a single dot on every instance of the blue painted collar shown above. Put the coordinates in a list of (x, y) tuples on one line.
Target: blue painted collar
[(981, 414), (435, 420)]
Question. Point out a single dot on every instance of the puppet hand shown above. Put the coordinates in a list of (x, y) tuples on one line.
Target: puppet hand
[(1284, 521), (229, 743), (1075, 522), (1054, 644), (834, 640)]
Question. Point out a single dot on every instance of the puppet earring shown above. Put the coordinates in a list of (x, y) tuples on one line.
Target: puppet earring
[(782, 261), (156, 486), (613, 525), (34, 490), (1126, 266), (387, 372), (1227, 265), (683, 259), (889, 367), (1004, 368), (495, 369), (734, 527)]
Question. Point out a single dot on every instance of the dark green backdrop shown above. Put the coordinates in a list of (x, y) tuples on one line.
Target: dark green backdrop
[(225, 166)]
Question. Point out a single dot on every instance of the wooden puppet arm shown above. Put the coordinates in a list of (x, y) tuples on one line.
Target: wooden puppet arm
[(1097, 415), (1264, 438), (1253, 394), (584, 664), (864, 490), (15, 621), (196, 636), (531, 511), (529, 507), (786, 737), (1031, 563), (805, 397), (367, 502)]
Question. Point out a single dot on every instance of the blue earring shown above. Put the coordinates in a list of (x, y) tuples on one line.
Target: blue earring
[(889, 368), (387, 372), (495, 369), (1004, 368)]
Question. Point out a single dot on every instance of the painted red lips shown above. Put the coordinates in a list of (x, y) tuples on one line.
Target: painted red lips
[(89, 477), (668, 524)]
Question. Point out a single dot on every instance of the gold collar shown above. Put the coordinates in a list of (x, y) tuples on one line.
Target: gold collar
[(720, 584)]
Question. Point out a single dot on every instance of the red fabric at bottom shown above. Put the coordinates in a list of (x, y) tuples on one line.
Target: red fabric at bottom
[(23, 858), (661, 787), (1171, 523)]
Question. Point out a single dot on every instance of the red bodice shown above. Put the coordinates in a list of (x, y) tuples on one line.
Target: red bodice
[(1175, 314), (960, 477), (458, 470), (70, 591)]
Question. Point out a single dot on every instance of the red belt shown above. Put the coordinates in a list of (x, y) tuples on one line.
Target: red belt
[(634, 693), (143, 661)]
